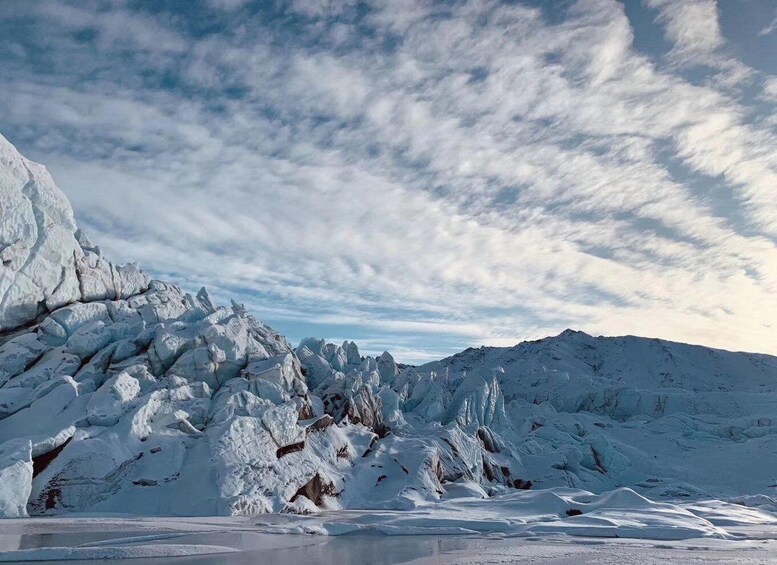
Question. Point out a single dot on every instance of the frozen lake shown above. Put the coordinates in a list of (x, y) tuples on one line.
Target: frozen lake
[(252, 541)]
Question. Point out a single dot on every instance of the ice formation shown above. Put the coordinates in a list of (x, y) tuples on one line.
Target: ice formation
[(122, 394), (47, 262)]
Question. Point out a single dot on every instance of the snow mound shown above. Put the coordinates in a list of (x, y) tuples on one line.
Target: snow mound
[(621, 513)]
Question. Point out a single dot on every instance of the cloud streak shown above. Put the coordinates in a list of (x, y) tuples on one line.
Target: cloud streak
[(427, 177)]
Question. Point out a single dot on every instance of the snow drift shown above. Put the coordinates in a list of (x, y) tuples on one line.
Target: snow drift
[(123, 394)]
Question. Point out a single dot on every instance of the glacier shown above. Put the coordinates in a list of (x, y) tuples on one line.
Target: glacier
[(124, 394)]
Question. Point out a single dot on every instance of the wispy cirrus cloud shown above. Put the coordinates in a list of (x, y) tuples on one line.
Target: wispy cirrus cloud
[(421, 175), (769, 27), (691, 25)]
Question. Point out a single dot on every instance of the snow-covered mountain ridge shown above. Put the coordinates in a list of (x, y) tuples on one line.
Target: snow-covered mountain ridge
[(123, 394)]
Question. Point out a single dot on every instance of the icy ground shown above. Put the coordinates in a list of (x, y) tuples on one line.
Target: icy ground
[(125, 395), (736, 536)]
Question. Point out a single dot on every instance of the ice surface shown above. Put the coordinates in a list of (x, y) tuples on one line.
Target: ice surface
[(112, 400), (15, 478), (116, 552), (499, 530)]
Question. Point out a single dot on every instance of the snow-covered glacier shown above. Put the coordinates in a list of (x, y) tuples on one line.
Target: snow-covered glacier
[(119, 393)]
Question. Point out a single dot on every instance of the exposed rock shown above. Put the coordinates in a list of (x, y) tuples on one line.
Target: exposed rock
[(316, 490)]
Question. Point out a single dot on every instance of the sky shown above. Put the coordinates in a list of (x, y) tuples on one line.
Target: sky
[(418, 176)]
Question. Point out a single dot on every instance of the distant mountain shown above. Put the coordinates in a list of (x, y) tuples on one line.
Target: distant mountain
[(123, 394)]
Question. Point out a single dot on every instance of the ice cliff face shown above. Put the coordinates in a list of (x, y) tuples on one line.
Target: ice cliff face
[(120, 394), (46, 261), (117, 393)]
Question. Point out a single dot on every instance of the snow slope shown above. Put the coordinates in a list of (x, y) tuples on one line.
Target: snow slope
[(665, 418), (122, 394)]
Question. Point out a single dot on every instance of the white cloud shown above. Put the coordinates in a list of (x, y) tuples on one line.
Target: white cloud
[(691, 25), (769, 28), (770, 88), (228, 5), (116, 28), (486, 177)]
